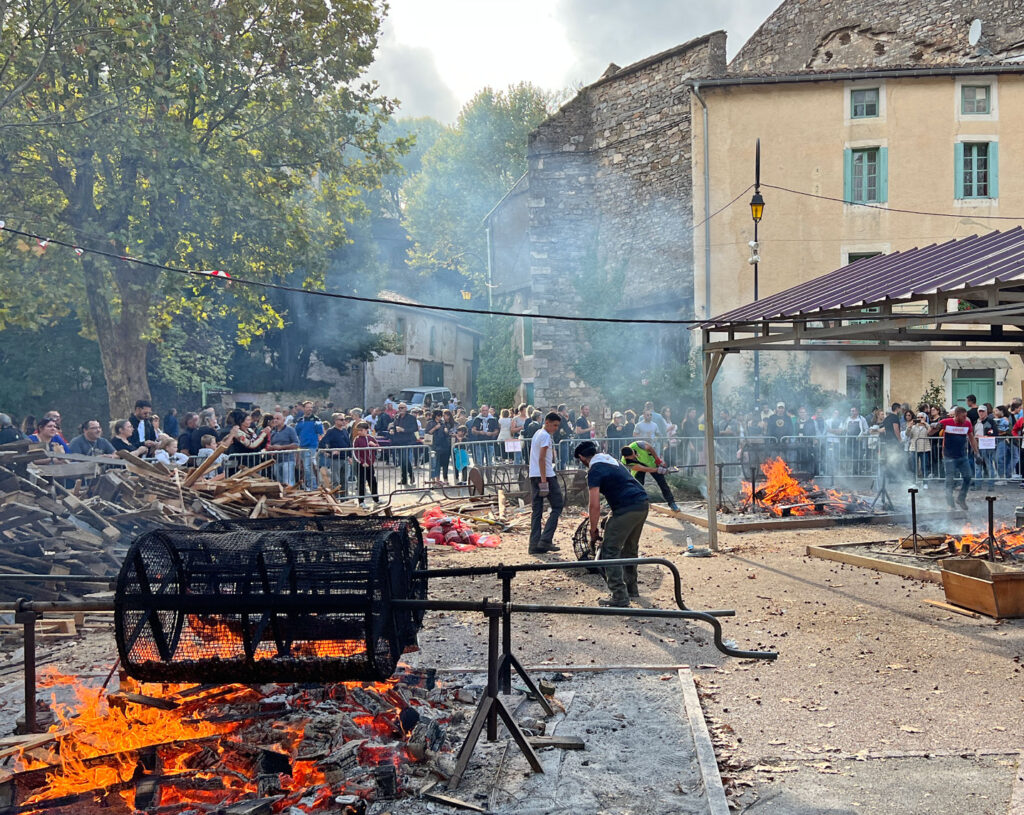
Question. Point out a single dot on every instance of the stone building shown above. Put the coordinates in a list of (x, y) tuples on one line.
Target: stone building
[(905, 100), (433, 348), (608, 217)]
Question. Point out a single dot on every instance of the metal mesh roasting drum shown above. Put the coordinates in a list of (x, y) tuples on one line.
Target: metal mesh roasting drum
[(264, 605), (407, 526)]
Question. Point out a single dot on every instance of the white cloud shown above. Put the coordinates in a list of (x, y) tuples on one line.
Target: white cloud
[(436, 54)]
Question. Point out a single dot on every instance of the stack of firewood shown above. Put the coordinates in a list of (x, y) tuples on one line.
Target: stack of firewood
[(79, 516)]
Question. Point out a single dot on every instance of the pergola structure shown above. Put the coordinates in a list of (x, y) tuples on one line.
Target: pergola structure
[(961, 296)]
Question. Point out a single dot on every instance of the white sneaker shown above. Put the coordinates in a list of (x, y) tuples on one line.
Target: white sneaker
[(365, 505)]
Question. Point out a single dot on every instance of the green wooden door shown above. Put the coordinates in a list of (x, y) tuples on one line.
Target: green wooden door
[(984, 389)]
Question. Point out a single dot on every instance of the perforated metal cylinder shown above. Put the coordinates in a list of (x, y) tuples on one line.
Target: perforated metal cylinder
[(263, 605), (407, 526)]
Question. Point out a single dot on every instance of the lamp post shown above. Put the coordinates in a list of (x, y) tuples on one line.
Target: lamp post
[(756, 211)]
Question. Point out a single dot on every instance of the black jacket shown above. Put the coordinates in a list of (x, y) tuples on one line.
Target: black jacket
[(151, 433), (10, 433)]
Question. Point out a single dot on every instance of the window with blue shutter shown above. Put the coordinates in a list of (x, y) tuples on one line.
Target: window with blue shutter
[(866, 175), (976, 170)]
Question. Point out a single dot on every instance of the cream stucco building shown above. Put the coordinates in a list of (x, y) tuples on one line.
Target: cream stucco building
[(944, 136)]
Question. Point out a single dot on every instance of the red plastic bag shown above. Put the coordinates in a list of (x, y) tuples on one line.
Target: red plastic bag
[(435, 536), (488, 541), (433, 512)]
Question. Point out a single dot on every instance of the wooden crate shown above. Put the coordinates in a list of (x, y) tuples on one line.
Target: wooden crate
[(991, 588)]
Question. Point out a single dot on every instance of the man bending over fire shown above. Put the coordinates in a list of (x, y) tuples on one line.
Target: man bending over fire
[(629, 504), (641, 458), (956, 433)]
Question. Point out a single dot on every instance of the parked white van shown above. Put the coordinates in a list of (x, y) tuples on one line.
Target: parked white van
[(426, 397)]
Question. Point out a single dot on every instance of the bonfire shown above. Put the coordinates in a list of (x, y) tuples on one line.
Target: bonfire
[(781, 494)]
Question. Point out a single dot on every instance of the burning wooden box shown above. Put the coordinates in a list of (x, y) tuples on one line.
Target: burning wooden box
[(990, 588)]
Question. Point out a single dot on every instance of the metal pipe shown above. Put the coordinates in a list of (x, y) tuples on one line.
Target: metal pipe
[(991, 527), (478, 571), (506, 630), (493, 618), (913, 516), (39, 606), (27, 618), (597, 611)]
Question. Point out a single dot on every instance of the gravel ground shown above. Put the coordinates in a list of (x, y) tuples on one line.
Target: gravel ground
[(866, 670)]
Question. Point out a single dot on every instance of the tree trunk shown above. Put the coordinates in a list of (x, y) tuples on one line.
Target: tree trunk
[(122, 348)]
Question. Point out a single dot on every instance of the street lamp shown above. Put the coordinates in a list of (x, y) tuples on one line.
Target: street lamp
[(756, 212)]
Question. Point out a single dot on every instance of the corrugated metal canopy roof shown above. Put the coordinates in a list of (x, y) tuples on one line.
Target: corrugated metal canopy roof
[(909, 275)]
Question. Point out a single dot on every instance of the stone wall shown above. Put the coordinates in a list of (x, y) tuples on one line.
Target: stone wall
[(839, 34), (609, 205)]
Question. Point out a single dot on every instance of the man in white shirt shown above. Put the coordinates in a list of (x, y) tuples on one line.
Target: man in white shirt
[(544, 484)]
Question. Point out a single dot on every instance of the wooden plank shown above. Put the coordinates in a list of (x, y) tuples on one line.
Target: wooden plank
[(138, 463), (951, 607), (251, 470), (827, 552), (18, 743), (207, 465), (705, 751), (258, 509)]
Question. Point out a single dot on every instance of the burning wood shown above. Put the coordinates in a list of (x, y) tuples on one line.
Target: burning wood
[(782, 495), (1009, 542), (176, 748)]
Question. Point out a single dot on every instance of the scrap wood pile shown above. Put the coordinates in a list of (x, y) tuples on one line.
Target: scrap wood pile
[(54, 522)]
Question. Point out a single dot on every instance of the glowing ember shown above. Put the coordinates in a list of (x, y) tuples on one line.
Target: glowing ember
[(210, 747), (781, 494)]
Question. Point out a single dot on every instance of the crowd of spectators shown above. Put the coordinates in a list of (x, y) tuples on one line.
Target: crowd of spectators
[(316, 445)]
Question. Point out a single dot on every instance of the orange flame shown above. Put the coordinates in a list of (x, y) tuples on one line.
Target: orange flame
[(1010, 538), (780, 490), (96, 743)]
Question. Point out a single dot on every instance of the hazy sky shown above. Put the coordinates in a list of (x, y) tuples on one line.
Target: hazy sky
[(435, 54)]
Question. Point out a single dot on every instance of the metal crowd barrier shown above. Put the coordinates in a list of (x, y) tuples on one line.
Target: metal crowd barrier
[(829, 455)]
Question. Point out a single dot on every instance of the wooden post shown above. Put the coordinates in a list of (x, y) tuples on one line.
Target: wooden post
[(712, 363)]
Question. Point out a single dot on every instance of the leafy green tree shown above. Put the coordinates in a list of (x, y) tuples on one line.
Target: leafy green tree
[(53, 369), (421, 134), (498, 376), (232, 135), (465, 172)]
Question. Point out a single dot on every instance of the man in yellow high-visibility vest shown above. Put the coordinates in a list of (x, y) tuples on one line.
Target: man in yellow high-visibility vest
[(641, 458)]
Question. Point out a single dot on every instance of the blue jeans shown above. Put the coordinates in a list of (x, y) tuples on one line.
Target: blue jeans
[(957, 467), (989, 457), (439, 462), (483, 453), (284, 469), (308, 468)]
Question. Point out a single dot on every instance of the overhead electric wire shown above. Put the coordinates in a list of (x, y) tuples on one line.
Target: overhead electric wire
[(43, 240), (883, 208), (338, 295)]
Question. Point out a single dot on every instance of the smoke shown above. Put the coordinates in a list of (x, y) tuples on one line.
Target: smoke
[(603, 31), (410, 74)]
